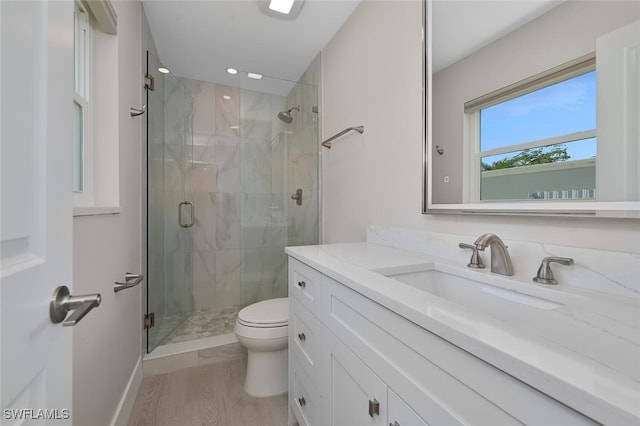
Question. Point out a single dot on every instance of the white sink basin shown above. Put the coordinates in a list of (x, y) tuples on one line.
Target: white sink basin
[(472, 293)]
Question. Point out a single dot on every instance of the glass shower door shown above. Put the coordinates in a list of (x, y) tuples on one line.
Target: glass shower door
[(169, 211)]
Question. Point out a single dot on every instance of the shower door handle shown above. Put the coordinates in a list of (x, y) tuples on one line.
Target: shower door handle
[(181, 223)]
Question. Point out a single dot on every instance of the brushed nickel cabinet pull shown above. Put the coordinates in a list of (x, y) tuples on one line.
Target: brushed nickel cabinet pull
[(302, 284), (302, 337), (374, 407), (301, 401)]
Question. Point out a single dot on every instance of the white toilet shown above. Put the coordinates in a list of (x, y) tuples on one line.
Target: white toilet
[(263, 328)]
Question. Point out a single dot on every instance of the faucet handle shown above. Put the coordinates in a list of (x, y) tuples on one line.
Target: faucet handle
[(476, 260), (545, 274)]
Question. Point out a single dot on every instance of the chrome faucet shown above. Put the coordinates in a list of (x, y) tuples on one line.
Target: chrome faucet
[(500, 259)]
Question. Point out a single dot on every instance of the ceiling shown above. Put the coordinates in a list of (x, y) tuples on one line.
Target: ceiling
[(200, 39)]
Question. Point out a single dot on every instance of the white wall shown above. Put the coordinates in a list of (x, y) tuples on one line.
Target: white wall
[(106, 343), (372, 76)]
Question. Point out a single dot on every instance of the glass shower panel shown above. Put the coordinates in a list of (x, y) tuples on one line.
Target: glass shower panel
[(169, 212), (302, 166)]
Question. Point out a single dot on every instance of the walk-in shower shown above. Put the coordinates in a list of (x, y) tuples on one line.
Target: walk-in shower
[(221, 171)]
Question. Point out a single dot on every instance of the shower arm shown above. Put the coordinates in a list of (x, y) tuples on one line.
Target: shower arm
[(327, 143)]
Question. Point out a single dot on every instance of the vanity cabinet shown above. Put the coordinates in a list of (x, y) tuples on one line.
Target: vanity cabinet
[(305, 343), (352, 361), (356, 395)]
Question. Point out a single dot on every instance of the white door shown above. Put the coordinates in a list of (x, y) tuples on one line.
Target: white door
[(36, 208)]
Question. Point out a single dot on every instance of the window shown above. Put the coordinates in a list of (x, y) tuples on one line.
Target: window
[(81, 106), (95, 109), (536, 139)]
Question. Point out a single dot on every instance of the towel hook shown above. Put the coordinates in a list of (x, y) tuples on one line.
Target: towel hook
[(136, 112)]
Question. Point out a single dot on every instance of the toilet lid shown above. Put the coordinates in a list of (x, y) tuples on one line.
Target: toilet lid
[(268, 313)]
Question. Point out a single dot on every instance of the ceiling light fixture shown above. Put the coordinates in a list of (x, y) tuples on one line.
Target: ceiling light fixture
[(226, 97), (164, 70), (282, 6), (232, 71), (254, 75), (281, 9)]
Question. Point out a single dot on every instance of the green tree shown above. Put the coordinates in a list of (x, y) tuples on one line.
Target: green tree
[(529, 157)]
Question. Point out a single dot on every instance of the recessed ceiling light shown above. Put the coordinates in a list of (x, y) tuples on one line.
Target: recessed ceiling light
[(235, 127), (163, 70), (281, 9), (282, 6), (254, 75), (226, 97), (232, 71)]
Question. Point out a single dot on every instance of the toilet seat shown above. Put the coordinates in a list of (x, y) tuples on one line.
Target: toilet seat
[(270, 313)]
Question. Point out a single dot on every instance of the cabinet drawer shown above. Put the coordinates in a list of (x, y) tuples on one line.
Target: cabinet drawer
[(305, 341), (304, 285), (304, 398)]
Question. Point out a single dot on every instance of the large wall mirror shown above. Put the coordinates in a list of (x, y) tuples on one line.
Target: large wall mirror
[(532, 107)]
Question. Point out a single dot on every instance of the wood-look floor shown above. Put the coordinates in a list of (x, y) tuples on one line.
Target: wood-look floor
[(206, 395)]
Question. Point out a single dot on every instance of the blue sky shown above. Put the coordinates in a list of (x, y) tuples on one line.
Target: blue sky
[(565, 107)]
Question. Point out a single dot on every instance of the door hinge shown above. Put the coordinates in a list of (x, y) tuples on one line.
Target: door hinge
[(149, 320), (149, 82)]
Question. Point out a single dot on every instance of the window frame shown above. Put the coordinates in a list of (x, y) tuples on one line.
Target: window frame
[(83, 60), (97, 93)]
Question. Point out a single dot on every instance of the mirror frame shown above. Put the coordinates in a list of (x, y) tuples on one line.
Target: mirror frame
[(583, 209)]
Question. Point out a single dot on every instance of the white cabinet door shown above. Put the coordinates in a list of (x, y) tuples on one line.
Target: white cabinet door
[(353, 394), (36, 212), (400, 414)]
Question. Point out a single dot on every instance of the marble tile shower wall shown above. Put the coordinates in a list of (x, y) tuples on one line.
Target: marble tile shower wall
[(237, 188)]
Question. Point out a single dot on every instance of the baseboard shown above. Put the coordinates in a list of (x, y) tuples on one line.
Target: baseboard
[(123, 412)]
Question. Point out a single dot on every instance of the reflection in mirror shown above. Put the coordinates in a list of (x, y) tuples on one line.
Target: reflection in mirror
[(537, 146), (516, 113)]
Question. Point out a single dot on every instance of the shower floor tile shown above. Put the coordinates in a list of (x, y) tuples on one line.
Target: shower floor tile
[(204, 323)]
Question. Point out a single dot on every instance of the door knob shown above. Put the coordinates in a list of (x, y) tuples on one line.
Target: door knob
[(62, 302)]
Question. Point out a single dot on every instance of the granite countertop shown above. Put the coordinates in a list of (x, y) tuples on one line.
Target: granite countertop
[(595, 368)]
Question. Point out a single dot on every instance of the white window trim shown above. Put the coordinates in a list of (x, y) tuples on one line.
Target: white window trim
[(472, 156)]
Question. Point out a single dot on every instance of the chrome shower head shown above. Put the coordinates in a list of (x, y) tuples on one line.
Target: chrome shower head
[(286, 115)]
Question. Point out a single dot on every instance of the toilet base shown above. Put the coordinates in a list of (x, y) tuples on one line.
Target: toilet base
[(267, 373)]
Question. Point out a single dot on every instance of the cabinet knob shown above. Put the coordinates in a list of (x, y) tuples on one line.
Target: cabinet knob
[(301, 401), (302, 337), (394, 424), (374, 407), (302, 284)]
